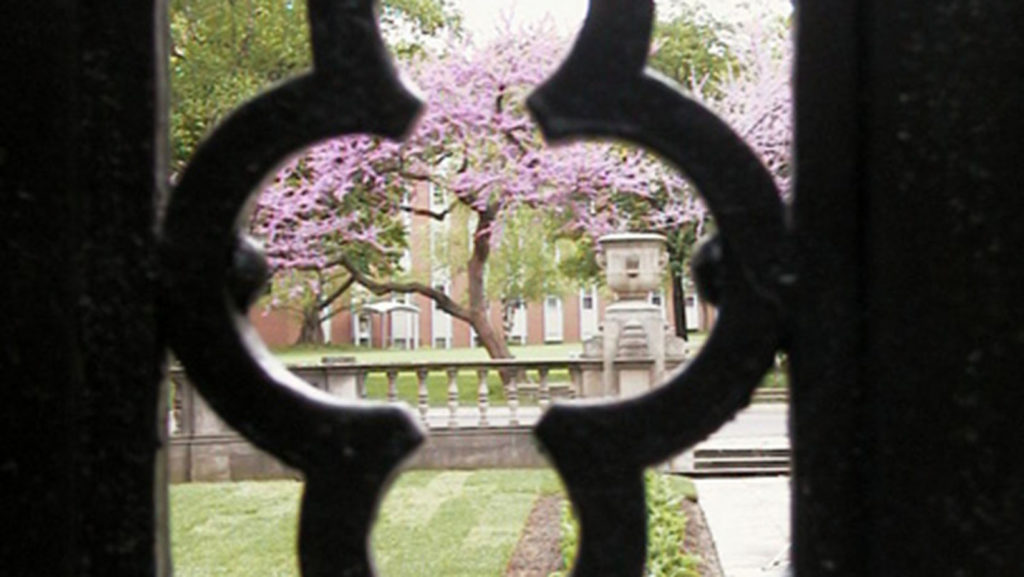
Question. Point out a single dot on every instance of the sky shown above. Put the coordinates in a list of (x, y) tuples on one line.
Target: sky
[(481, 17)]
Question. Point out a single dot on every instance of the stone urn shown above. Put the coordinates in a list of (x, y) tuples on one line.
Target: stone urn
[(633, 262), (631, 344)]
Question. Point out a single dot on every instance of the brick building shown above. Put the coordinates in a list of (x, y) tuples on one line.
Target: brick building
[(414, 321)]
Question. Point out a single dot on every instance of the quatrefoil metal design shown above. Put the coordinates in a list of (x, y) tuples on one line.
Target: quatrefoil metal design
[(349, 451)]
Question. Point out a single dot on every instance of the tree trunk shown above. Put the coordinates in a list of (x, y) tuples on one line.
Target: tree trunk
[(311, 332), (493, 342), (679, 306)]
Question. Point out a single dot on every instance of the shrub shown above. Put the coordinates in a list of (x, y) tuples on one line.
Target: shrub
[(666, 530)]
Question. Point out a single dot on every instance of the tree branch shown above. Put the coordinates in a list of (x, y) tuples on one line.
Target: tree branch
[(439, 216), (499, 107), (511, 137), (444, 302), (326, 301), (417, 176)]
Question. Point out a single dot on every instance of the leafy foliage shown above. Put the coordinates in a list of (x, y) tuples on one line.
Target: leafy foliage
[(223, 52), (666, 529), (338, 213), (476, 144), (690, 48)]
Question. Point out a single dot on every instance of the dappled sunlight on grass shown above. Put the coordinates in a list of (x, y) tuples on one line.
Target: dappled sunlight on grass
[(445, 523)]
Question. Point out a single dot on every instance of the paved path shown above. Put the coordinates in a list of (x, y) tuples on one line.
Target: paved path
[(755, 425), (749, 521)]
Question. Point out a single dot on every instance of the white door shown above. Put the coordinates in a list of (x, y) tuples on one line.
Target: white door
[(588, 313), (362, 330), (518, 333), (692, 312), (553, 319), (403, 327)]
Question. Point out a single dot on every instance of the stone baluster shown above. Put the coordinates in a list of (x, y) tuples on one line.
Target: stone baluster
[(361, 384), (512, 398), (392, 386), (453, 398), (423, 397), (576, 376), (482, 394), (544, 392)]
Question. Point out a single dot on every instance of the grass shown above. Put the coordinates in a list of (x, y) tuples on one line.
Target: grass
[(437, 382), (457, 523), (449, 523), (229, 529), (778, 376)]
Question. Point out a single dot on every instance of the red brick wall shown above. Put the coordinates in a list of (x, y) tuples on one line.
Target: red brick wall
[(535, 323), (341, 328), (571, 316), (425, 320), (278, 328)]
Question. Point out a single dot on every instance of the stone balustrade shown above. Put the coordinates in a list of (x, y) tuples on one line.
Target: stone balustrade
[(530, 378), (475, 417)]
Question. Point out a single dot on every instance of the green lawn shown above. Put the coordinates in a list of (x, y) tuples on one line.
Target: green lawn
[(437, 382), (449, 524)]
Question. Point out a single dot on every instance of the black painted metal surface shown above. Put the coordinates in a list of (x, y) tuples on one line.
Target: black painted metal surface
[(910, 325), (904, 325), (349, 451), (944, 339), (828, 403), (80, 355), (601, 450)]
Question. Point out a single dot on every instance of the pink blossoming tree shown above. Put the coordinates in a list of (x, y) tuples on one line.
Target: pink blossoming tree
[(751, 91), (336, 215)]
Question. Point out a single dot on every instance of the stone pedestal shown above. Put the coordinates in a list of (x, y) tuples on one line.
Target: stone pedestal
[(627, 362), (634, 341)]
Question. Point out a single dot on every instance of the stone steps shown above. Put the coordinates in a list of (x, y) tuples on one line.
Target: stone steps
[(736, 462), (771, 395)]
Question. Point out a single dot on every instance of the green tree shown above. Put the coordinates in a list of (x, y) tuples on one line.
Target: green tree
[(317, 291), (523, 267), (689, 48), (224, 52)]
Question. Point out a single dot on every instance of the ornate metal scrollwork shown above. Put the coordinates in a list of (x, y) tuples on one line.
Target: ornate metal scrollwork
[(601, 450), (348, 451)]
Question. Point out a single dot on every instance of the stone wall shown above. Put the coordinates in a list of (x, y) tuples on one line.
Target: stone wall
[(229, 457)]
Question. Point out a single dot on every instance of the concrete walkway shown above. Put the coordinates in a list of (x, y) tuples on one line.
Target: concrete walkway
[(749, 521)]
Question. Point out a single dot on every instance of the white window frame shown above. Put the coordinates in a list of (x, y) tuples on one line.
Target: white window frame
[(554, 319)]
